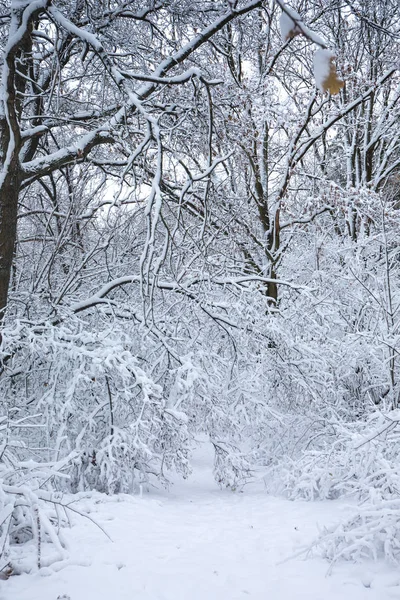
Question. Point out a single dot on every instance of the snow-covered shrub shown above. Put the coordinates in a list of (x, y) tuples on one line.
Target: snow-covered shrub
[(97, 406), (352, 459), (371, 532), (30, 536), (360, 462), (231, 467), (30, 514)]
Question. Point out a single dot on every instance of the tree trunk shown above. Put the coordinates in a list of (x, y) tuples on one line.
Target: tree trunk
[(9, 192)]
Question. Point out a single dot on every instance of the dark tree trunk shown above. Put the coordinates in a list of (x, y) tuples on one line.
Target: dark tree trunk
[(9, 193)]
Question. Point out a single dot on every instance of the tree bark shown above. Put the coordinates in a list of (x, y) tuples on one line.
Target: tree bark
[(9, 193)]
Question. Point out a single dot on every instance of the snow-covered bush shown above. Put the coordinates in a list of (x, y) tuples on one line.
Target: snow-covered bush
[(231, 467), (353, 459), (30, 514), (371, 532), (359, 460), (96, 405), (30, 535)]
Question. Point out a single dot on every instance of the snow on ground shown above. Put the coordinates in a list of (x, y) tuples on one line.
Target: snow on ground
[(200, 543)]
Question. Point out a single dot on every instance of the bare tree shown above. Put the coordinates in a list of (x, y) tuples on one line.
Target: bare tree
[(74, 79)]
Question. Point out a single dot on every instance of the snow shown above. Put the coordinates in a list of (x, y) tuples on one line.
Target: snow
[(294, 18), (288, 27), (197, 542), (322, 67)]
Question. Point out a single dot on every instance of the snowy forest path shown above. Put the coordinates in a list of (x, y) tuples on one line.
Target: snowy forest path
[(197, 542)]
